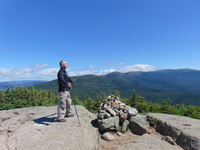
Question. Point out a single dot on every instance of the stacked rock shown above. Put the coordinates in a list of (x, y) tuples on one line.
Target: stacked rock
[(111, 108)]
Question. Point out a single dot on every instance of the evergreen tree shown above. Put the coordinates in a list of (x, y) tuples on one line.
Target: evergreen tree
[(90, 105)]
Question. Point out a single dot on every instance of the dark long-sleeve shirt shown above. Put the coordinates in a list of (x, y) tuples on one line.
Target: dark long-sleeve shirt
[(63, 79)]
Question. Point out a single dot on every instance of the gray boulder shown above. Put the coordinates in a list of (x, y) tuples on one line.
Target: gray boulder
[(109, 124), (169, 140), (132, 112), (138, 124), (125, 126), (34, 128), (108, 137)]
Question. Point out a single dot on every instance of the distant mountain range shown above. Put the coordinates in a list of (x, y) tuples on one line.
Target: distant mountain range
[(21, 83), (180, 85)]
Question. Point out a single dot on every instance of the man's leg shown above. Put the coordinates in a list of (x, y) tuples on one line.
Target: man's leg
[(68, 105), (62, 105)]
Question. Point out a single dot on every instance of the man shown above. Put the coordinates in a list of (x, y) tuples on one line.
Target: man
[(64, 105)]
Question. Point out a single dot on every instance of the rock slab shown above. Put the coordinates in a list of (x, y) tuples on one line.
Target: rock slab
[(184, 130), (147, 142), (34, 128)]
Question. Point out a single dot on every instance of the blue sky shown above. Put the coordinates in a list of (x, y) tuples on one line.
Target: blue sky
[(97, 36)]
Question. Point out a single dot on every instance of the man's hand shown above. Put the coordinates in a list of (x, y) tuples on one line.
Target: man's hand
[(69, 85)]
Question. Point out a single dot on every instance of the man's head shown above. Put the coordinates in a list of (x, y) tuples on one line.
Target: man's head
[(63, 64)]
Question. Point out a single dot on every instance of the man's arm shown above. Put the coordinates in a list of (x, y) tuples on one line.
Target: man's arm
[(70, 80), (62, 79)]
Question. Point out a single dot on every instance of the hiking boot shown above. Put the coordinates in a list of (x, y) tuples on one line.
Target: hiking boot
[(60, 120), (71, 115)]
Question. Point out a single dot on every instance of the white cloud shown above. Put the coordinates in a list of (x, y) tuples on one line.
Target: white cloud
[(103, 72), (41, 72), (138, 67), (86, 72), (36, 72), (5, 71), (93, 67), (48, 72), (38, 66)]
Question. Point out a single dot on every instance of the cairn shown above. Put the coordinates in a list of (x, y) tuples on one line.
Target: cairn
[(114, 115)]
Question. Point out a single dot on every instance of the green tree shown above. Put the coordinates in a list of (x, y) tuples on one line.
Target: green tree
[(117, 93), (135, 100), (2, 99), (76, 101), (165, 106), (154, 107), (192, 112), (90, 105), (143, 107)]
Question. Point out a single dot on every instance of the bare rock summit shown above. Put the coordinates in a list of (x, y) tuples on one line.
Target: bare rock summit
[(34, 128)]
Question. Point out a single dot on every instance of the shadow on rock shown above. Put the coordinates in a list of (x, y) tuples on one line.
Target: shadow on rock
[(95, 123), (45, 120)]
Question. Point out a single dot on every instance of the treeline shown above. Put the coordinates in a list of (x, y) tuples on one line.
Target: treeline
[(26, 97), (29, 96), (143, 106)]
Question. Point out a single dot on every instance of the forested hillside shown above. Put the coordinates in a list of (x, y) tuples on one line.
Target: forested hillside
[(180, 86)]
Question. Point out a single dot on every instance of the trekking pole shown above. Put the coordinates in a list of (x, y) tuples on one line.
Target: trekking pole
[(77, 114), (76, 110)]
